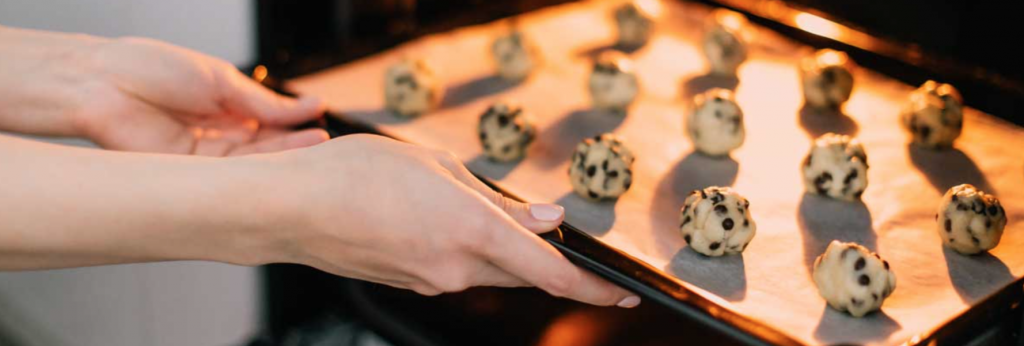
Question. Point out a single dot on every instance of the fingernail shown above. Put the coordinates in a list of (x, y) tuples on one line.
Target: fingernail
[(546, 212), (629, 302)]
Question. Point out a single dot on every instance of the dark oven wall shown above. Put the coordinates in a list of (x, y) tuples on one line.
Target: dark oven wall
[(297, 37), (974, 32)]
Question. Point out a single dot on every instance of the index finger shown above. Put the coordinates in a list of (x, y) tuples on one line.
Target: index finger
[(527, 256)]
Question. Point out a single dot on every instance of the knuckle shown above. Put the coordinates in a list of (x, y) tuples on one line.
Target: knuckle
[(477, 237), (453, 279), (448, 156), (561, 285)]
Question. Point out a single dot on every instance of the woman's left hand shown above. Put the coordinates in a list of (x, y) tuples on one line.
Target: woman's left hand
[(151, 96)]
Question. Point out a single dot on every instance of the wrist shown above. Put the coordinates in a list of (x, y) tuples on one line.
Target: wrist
[(45, 78), (256, 215)]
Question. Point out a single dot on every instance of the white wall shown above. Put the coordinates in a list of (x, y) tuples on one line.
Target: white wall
[(182, 303), (223, 28)]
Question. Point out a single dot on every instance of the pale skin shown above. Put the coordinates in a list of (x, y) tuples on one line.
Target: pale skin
[(364, 207)]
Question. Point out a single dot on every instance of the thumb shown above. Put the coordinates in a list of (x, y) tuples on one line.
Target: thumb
[(536, 217), (244, 96)]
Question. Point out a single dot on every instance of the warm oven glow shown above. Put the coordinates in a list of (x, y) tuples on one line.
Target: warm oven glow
[(818, 26)]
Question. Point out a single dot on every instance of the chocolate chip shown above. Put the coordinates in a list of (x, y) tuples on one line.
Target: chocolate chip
[(859, 264), (604, 165), (703, 194), (686, 220), (591, 170), (886, 264), (592, 194), (483, 136), (988, 224), (949, 225), (858, 194), (721, 209), (993, 210), (629, 181), (954, 197), (506, 149), (613, 174), (686, 208), (687, 238), (715, 245), (856, 302), (961, 206), (516, 127), (727, 224), (975, 240), (746, 223), (503, 120), (819, 182), (850, 177), (874, 296), (925, 131), (406, 79), (864, 280), (829, 76)]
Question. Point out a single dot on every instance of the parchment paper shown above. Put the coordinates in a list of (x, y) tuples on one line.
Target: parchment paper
[(771, 281)]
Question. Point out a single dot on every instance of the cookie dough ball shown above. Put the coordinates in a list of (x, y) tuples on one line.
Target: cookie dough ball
[(505, 131), (934, 115), (634, 24), (836, 167), (613, 84), (827, 81), (514, 56), (724, 46), (601, 168), (852, 278), (716, 221), (716, 125), (970, 221), (411, 88)]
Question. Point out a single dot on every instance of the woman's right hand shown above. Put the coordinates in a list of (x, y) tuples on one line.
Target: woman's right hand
[(379, 210)]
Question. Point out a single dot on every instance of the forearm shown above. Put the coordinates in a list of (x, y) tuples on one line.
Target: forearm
[(69, 207), (42, 76)]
